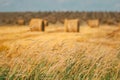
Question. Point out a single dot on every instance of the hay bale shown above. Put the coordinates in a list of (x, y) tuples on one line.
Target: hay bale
[(37, 25), (71, 25), (93, 23), (20, 21), (45, 23)]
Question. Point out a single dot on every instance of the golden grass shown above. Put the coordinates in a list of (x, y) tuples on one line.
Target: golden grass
[(3, 48), (52, 55)]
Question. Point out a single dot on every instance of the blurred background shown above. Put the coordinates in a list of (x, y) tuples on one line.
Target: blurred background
[(107, 11)]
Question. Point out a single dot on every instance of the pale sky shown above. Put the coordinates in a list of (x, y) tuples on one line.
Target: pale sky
[(59, 5)]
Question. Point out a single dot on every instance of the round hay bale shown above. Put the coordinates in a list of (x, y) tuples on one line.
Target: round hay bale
[(37, 25), (71, 25), (20, 21), (45, 23), (93, 23)]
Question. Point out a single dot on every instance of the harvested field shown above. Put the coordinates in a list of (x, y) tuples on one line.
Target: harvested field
[(90, 54)]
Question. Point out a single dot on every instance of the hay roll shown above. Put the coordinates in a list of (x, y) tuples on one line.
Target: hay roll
[(37, 25), (45, 23), (71, 25), (93, 23), (20, 21)]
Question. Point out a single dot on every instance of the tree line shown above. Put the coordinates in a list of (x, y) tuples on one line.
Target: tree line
[(10, 18)]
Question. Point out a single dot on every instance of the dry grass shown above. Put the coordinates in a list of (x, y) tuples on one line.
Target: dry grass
[(52, 55)]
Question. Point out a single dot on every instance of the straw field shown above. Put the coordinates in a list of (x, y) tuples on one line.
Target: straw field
[(91, 54)]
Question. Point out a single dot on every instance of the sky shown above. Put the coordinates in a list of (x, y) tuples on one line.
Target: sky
[(59, 5)]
